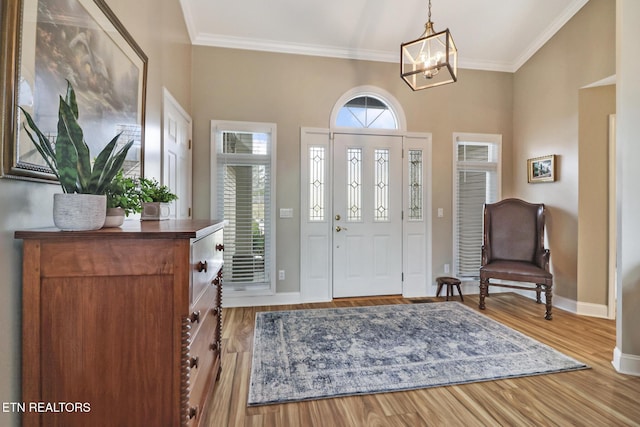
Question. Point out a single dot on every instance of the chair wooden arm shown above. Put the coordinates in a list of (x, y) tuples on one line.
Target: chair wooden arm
[(543, 260)]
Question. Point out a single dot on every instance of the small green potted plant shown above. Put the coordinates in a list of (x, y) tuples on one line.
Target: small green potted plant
[(123, 199), (82, 205), (155, 199)]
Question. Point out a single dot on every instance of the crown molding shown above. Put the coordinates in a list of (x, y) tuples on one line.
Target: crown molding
[(231, 42), (263, 45), (188, 19), (214, 40), (611, 80), (478, 64), (549, 32)]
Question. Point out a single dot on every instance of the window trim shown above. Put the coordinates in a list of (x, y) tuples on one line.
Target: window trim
[(374, 92), (490, 139), (217, 127)]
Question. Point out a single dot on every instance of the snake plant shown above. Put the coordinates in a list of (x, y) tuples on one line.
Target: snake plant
[(69, 156)]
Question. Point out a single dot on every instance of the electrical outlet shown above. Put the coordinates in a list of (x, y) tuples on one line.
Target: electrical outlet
[(440, 212), (446, 268), (281, 275)]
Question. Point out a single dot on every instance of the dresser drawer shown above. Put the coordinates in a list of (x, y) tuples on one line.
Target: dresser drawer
[(203, 344), (204, 354), (207, 300), (206, 261)]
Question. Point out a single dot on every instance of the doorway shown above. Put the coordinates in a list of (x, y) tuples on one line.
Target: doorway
[(387, 249), (365, 202)]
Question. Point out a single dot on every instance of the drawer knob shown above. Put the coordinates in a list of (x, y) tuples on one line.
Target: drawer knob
[(215, 346), (219, 247), (194, 362), (193, 411), (202, 266), (195, 317)]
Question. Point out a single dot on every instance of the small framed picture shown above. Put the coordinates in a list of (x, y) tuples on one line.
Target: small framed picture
[(542, 169)]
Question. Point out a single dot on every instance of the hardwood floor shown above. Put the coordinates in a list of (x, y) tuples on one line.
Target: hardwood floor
[(594, 397)]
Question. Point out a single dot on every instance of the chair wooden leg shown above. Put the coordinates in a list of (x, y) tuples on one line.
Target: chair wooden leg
[(538, 292), (460, 293), (439, 289), (547, 296), (484, 288)]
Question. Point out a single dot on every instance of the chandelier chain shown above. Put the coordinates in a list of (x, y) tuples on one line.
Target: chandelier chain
[(429, 16)]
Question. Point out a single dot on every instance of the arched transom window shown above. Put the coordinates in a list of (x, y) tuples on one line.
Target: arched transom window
[(366, 112)]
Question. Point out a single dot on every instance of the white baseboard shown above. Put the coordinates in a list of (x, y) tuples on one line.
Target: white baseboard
[(562, 303), (626, 363), (468, 288), (578, 307), (279, 298), (593, 310), (572, 306)]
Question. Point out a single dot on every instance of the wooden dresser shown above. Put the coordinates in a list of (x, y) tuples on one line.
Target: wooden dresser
[(123, 323)]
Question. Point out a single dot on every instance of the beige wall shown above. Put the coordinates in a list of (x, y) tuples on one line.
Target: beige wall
[(595, 106), (158, 27), (296, 91), (545, 121)]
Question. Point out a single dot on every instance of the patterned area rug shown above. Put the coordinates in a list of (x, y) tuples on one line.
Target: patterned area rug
[(313, 354)]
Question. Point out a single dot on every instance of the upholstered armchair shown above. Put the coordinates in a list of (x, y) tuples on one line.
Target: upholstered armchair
[(513, 249)]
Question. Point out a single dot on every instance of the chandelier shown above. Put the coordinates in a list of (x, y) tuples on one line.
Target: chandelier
[(431, 60)]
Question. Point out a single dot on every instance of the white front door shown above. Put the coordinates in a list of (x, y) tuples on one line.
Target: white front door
[(367, 217)]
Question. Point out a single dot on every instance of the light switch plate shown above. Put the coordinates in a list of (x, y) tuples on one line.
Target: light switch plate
[(286, 212)]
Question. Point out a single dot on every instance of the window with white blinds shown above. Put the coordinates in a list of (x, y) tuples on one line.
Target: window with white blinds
[(477, 181), (244, 201)]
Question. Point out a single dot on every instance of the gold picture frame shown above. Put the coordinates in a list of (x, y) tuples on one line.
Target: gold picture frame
[(541, 169), (44, 43)]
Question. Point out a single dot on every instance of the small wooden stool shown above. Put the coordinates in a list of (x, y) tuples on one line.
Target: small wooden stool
[(450, 282)]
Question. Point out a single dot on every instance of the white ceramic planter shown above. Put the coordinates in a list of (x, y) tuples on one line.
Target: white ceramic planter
[(78, 212), (155, 211), (115, 217)]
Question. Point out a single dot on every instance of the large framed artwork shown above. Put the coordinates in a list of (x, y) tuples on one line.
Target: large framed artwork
[(46, 43)]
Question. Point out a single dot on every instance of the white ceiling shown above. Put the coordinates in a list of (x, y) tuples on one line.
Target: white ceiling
[(498, 35)]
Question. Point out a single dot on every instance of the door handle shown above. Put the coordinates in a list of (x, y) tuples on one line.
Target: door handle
[(339, 229)]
